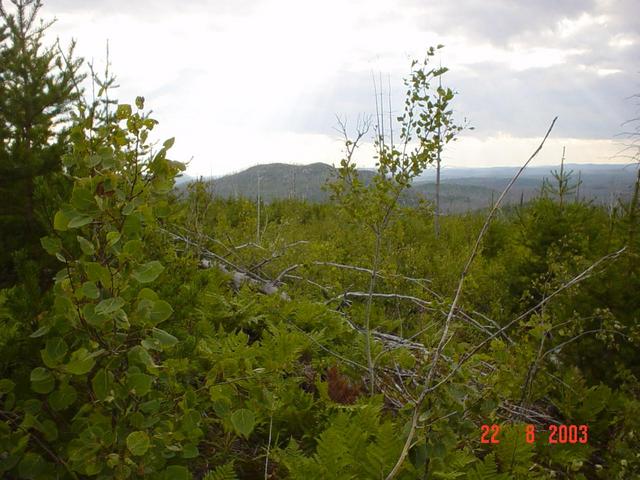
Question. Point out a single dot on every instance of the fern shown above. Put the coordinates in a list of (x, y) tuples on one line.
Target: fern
[(514, 453), (223, 472), (381, 454), (354, 444), (486, 470)]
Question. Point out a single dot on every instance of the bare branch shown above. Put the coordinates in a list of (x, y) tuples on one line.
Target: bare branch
[(395, 296)]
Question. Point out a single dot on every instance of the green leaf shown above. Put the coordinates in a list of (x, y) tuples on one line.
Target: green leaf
[(133, 248), (90, 290), (190, 451), (50, 430), (243, 421), (63, 397), (132, 225), (486, 470), (6, 386), (109, 306), (54, 352), (147, 294), (140, 102), (152, 311), (138, 355), (160, 311), (79, 220), (96, 272), (165, 339), (169, 143), (81, 362), (93, 160), (113, 238), (148, 272), (32, 465), (85, 245), (52, 245), (93, 318), (129, 208), (139, 383), (41, 380), (123, 111), (177, 472), (102, 384), (41, 331), (138, 443), (60, 221), (83, 201), (152, 406)]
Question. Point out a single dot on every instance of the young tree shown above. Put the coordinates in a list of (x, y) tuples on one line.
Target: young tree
[(562, 187), (426, 125), (37, 87)]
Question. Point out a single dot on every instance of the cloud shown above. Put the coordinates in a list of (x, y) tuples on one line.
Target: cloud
[(241, 82), (146, 10), (497, 21)]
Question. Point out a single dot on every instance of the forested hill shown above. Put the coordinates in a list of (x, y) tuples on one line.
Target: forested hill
[(462, 189), (278, 180)]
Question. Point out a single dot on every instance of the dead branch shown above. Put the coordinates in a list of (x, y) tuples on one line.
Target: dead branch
[(249, 245), (239, 275), (485, 328), (529, 414), (559, 347), (369, 272), (326, 290), (396, 296)]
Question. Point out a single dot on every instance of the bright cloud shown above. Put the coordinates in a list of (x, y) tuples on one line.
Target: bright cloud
[(255, 81)]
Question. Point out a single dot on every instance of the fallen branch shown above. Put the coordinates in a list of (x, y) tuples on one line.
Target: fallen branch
[(238, 274), (395, 296), (370, 272)]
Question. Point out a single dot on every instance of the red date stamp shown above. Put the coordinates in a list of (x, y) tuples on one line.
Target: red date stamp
[(555, 434)]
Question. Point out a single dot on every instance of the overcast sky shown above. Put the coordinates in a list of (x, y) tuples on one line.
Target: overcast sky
[(256, 81)]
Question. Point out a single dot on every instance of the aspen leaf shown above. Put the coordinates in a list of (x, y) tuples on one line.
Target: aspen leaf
[(138, 443), (148, 272)]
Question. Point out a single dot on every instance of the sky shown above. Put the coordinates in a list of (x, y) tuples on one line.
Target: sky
[(243, 82)]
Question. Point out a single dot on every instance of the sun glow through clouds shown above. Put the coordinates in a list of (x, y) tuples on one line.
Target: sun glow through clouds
[(261, 81)]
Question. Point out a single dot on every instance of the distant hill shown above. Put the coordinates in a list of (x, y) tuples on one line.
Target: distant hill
[(462, 189), (600, 183), (277, 180)]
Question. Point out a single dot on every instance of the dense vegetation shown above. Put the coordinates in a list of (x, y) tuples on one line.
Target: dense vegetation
[(189, 336)]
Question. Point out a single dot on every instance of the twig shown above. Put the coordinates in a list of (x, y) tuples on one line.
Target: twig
[(396, 296), (310, 282), (266, 460), (576, 337), (284, 273), (335, 354), (369, 271)]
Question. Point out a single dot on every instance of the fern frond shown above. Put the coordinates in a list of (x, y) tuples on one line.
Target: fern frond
[(223, 472), (486, 470)]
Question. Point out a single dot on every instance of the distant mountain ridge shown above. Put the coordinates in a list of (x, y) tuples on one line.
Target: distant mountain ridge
[(277, 180), (462, 189)]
